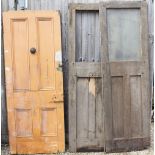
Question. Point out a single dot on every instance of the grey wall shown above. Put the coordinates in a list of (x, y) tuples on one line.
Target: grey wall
[(61, 5)]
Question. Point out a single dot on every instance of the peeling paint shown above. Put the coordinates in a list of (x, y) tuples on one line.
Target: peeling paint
[(92, 86), (7, 68), (58, 56)]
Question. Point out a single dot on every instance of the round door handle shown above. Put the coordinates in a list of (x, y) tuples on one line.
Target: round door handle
[(33, 50)]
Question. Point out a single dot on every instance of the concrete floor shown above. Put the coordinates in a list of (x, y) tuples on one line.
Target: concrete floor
[(150, 151)]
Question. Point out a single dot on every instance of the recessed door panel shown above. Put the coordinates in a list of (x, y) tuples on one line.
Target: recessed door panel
[(23, 122), (19, 31), (49, 122), (45, 35), (136, 105), (118, 105)]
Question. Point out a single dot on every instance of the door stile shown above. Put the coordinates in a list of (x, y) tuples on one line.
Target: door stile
[(101, 17), (9, 82), (59, 82), (145, 75), (72, 81), (106, 80)]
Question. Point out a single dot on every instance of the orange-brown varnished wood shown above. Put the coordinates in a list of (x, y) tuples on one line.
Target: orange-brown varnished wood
[(34, 82)]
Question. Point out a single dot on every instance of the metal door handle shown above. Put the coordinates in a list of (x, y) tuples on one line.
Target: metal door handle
[(33, 50)]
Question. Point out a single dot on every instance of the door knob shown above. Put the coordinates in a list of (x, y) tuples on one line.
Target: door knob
[(33, 50)]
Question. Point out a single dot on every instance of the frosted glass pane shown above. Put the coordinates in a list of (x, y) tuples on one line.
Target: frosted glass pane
[(124, 34)]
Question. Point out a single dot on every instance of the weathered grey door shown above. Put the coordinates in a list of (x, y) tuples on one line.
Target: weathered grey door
[(128, 108), (109, 104), (86, 127)]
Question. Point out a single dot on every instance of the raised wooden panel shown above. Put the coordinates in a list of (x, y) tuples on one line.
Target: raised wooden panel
[(19, 30), (118, 106), (49, 122), (45, 36), (136, 106), (23, 122), (87, 36), (124, 39)]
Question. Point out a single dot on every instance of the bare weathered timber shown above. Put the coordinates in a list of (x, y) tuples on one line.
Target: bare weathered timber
[(123, 70), (86, 119), (130, 95)]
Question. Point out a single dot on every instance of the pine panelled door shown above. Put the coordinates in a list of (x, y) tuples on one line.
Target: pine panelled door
[(109, 102), (34, 81)]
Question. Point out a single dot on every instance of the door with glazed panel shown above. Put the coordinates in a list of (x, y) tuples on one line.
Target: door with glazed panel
[(34, 81), (86, 78), (127, 46)]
